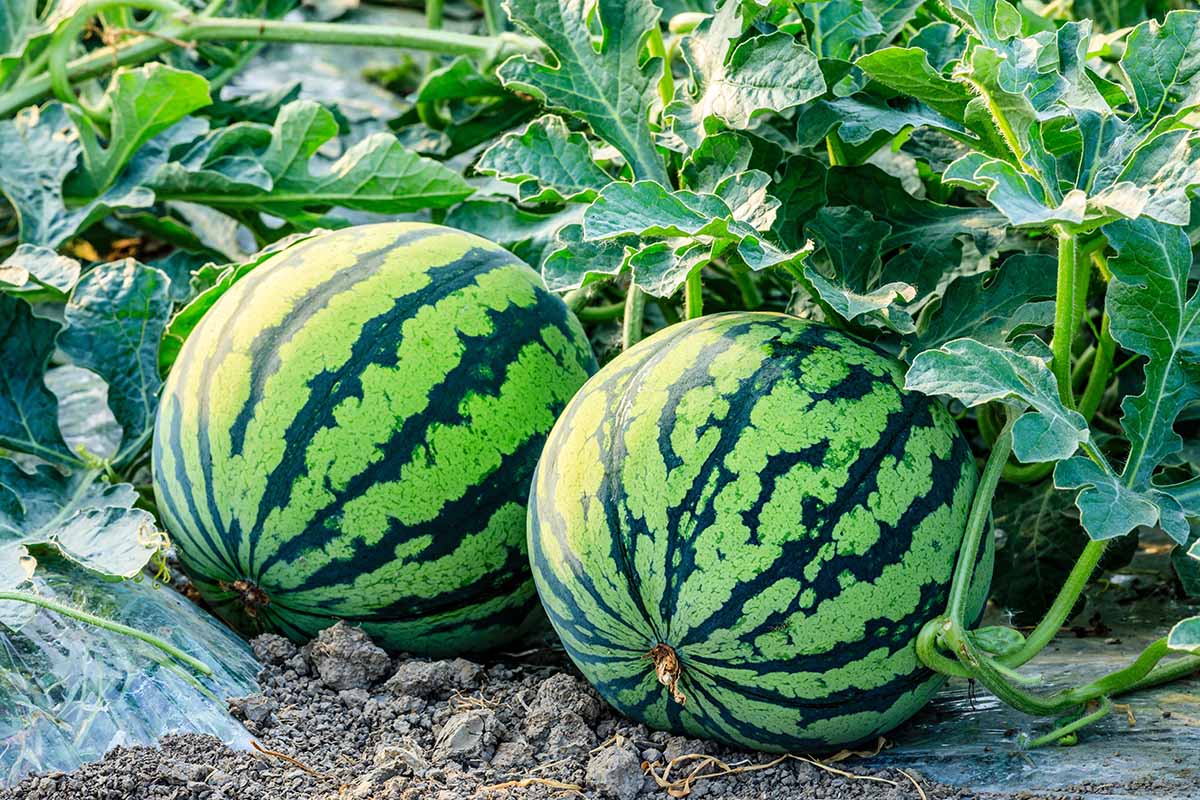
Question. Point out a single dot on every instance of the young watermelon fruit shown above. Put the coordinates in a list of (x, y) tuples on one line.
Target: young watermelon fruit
[(350, 432), (739, 526)]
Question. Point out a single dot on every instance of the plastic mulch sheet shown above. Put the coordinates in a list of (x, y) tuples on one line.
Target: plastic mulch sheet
[(70, 691), (1148, 749)]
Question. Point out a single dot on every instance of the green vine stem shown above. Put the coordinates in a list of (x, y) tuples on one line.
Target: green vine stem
[(686, 22), (835, 150), (1065, 731), (578, 298), (635, 310), (1065, 321), (494, 20), (1060, 609), (693, 295), (107, 624), (59, 47), (434, 16), (751, 297), (964, 568), (667, 308), (184, 27), (998, 674), (442, 42), (981, 510), (604, 313), (1163, 673), (1097, 383)]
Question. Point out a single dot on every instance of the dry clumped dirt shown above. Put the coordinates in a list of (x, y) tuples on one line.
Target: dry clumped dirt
[(341, 719)]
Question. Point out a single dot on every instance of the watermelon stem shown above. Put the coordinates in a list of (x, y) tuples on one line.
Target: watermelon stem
[(668, 669), (1073, 273), (1103, 706), (693, 295), (998, 674), (635, 310), (107, 624), (252, 596)]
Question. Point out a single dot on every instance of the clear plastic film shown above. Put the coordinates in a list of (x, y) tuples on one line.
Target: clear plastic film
[(70, 691)]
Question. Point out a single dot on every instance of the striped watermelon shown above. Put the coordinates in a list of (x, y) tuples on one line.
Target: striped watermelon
[(750, 505), (350, 434)]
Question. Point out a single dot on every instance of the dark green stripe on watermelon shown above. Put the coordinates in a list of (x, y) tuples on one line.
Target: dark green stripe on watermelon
[(759, 494), (350, 432)]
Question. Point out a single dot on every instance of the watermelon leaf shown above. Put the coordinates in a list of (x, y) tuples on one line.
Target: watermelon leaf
[(548, 162), (38, 150), (574, 261), (692, 228), (1185, 636), (907, 70), (1109, 507), (1073, 155), (999, 640), (1152, 314), (926, 237), (143, 103), (612, 88), (975, 373), (378, 174), (839, 27), (28, 409), (992, 306), (1162, 63), (529, 235), (853, 286), (735, 79), (37, 272), (80, 517), (114, 322)]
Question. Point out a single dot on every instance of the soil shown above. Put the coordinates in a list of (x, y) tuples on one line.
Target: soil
[(339, 718)]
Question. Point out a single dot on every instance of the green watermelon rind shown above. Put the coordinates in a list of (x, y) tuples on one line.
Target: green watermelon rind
[(759, 494), (349, 434)]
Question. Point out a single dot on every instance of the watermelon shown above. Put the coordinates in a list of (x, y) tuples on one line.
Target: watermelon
[(739, 526), (350, 432)]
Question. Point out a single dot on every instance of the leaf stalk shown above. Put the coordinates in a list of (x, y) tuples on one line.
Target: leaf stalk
[(107, 624)]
